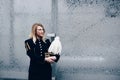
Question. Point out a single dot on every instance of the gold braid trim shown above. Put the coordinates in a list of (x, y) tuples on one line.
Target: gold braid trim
[(27, 46)]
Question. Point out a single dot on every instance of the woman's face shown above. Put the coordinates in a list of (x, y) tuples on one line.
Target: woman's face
[(40, 32)]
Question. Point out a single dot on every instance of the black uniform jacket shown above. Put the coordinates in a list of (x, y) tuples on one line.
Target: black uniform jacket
[(39, 69)]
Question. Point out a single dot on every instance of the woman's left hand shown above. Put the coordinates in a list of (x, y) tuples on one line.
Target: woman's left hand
[(53, 58), (50, 59)]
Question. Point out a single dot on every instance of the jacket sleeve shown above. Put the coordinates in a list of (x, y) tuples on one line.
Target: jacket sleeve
[(30, 52), (28, 49)]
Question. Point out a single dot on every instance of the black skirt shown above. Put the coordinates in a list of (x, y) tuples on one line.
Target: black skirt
[(40, 71)]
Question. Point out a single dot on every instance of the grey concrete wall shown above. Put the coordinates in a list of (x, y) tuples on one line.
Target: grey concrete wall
[(89, 32)]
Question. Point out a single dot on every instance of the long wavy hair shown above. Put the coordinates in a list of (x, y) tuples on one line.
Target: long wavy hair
[(33, 33)]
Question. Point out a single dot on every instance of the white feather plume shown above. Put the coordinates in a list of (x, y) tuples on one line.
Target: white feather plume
[(55, 46)]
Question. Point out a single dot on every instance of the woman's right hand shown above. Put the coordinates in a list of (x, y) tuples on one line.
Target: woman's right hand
[(50, 59)]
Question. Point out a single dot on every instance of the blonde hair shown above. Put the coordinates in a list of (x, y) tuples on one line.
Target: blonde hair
[(33, 34)]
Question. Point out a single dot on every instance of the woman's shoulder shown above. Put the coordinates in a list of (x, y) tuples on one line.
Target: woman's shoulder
[(47, 40), (28, 40)]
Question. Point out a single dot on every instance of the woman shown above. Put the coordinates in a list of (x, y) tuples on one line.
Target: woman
[(36, 47)]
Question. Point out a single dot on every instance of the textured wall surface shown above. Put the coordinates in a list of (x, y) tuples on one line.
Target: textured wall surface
[(89, 32)]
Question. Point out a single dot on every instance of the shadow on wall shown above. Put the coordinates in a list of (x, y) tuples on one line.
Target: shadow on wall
[(112, 7)]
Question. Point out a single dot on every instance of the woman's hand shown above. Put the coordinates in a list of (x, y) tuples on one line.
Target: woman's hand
[(50, 59)]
